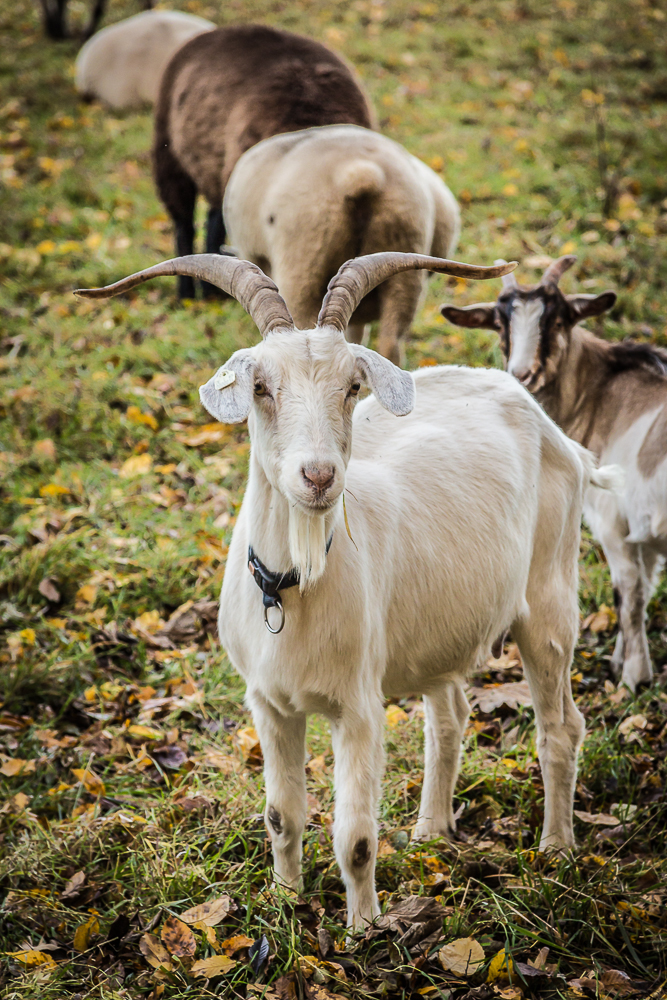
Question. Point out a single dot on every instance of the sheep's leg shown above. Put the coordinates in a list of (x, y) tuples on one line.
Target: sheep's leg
[(631, 573), (359, 757), (179, 193), (399, 298), (546, 640), (215, 237), (283, 739), (446, 714)]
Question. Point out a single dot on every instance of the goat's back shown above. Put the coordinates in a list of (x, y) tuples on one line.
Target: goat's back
[(225, 91), (123, 64)]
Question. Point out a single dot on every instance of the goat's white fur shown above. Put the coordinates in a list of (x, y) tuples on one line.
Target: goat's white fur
[(292, 206), (465, 516), (123, 64)]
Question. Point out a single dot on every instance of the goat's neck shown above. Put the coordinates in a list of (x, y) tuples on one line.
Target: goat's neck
[(571, 399), (268, 520)]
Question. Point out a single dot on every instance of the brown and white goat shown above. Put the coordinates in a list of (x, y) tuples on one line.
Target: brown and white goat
[(611, 398), (223, 92)]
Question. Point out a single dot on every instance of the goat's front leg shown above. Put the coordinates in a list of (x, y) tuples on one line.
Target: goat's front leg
[(446, 714), (359, 762), (283, 740)]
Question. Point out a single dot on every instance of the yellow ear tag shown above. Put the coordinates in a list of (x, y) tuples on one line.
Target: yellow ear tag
[(224, 378)]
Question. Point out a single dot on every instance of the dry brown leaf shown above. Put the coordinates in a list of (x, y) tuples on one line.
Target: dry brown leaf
[(248, 743), (178, 938), (490, 698), (90, 781), (15, 765), (602, 620), (216, 965), (48, 589), (155, 952), (73, 887), (211, 913), (463, 957), (632, 722), (617, 982), (235, 943), (206, 434), (84, 933), (596, 819)]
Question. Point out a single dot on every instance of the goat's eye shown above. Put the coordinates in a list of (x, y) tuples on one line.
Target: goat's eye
[(260, 389), (354, 388)]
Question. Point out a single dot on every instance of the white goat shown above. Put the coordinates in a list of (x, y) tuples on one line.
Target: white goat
[(465, 518), (122, 65), (300, 205), (611, 398)]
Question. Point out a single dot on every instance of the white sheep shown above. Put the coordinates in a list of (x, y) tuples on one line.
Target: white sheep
[(464, 519), (611, 398), (122, 65), (300, 205)]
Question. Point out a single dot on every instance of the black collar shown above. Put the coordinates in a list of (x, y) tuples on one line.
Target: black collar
[(271, 583)]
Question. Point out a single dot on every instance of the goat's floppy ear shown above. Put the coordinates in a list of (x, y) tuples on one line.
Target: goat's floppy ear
[(391, 386), (228, 395), (583, 306), (482, 316)]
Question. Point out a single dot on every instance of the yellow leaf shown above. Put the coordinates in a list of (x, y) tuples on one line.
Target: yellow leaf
[(93, 241), (15, 765), (149, 621), (52, 490), (137, 465), (206, 434), (144, 732), (395, 715), (210, 914), (85, 932), (601, 620), (87, 593), (31, 959), (501, 967), (436, 163), (90, 694), (90, 781), (235, 943), (510, 190), (568, 247), (216, 965), (46, 246), (155, 952), (178, 938), (28, 636), (165, 470), (463, 956), (134, 414)]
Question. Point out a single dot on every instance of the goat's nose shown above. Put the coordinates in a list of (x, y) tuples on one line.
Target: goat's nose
[(521, 374), (319, 476)]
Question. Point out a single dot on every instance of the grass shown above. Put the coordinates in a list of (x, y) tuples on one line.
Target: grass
[(549, 123)]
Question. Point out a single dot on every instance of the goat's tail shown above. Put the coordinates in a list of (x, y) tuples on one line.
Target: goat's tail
[(609, 477), (360, 178)]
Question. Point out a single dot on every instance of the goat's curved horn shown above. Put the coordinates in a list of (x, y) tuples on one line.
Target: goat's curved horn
[(555, 271), (246, 282), (509, 280), (358, 277)]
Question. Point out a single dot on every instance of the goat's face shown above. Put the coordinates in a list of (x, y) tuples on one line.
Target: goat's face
[(298, 390), (534, 325)]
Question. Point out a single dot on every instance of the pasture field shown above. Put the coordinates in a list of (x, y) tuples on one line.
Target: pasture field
[(130, 775)]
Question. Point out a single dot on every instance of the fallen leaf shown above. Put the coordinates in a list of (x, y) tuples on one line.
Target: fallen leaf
[(602, 620), (48, 589), (170, 757), (33, 958), (44, 449), (500, 967), (206, 434), (235, 943), (216, 965), (73, 887), (617, 982), (15, 765), (85, 932), (258, 954), (248, 743), (395, 715), (90, 781), (178, 938), (632, 722), (144, 732), (489, 698), (409, 911), (87, 593), (53, 490), (463, 956), (134, 414), (596, 819), (155, 952), (211, 913), (136, 465)]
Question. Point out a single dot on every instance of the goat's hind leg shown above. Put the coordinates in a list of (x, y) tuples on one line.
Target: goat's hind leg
[(446, 712), (546, 642), (283, 741)]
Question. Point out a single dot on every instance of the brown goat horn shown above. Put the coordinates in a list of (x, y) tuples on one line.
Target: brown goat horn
[(358, 277), (246, 282), (555, 271), (509, 280)]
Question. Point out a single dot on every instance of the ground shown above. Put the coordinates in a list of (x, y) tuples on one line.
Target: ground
[(130, 776)]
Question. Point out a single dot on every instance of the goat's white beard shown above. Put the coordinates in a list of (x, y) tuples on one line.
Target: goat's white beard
[(307, 546)]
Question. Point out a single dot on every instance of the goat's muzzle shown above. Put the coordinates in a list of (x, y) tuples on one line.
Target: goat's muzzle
[(318, 478)]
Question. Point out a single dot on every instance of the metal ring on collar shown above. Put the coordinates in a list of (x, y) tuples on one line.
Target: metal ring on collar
[(279, 605)]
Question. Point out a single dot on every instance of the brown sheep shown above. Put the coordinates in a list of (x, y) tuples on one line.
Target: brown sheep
[(223, 92)]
